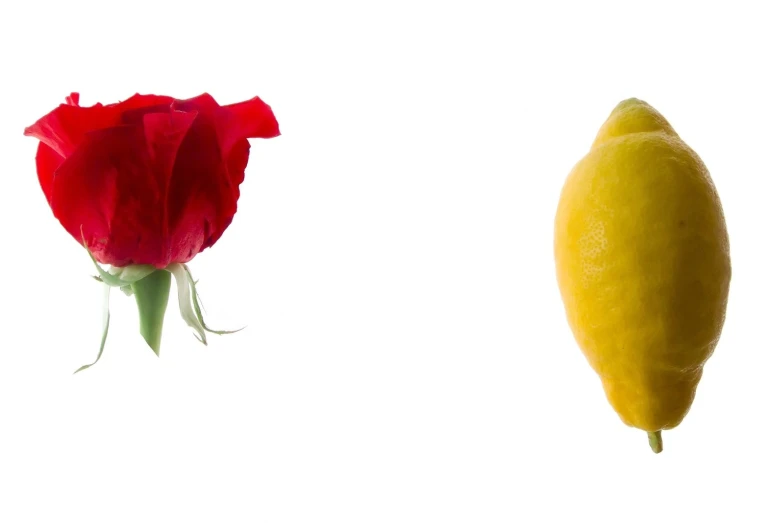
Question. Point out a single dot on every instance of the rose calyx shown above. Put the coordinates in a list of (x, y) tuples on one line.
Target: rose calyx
[(151, 287)]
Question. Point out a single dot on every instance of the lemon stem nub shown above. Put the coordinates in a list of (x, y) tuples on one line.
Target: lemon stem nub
[(656, 441)]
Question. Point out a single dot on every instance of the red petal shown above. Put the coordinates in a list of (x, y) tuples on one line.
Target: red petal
[(164, 133), (141, 100), (254, 119), (237, 161), (249, 119), (134, 109), (84, 192), (201, 194), (46, 162), (210, 110), (64, 128), (202, 103)]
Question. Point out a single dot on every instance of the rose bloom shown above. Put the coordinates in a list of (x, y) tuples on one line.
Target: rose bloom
[(150, 180)]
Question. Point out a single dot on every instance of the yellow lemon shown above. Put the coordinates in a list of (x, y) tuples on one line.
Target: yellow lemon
[(643, 266)]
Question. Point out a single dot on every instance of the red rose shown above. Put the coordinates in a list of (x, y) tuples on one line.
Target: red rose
[(150, 180)]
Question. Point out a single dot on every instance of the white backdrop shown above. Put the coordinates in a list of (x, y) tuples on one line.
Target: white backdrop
[(407, 357)]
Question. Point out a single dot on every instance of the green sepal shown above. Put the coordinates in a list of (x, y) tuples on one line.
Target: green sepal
[(189, 302), (152, 295), (106, 319), (197, 307), (185, 300)]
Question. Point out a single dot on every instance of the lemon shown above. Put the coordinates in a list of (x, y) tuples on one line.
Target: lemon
[(643, 266)]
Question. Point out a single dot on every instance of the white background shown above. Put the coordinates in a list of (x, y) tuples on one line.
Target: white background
[(407, 357)]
